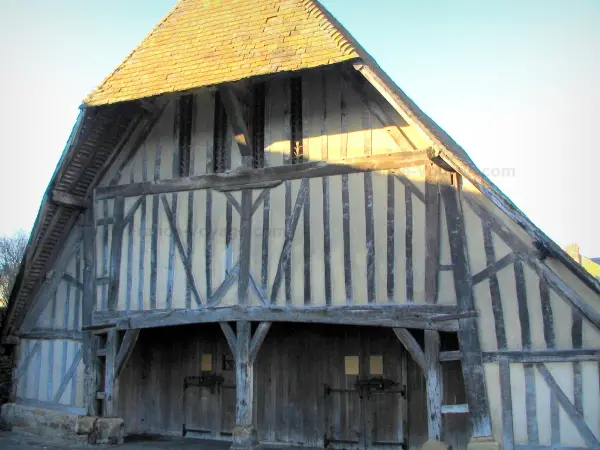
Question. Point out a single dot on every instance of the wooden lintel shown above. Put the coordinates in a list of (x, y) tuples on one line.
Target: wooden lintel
[(65, 199), (455, 409), (266, 177), (394, 316), (127, 346), (543, 356), (236, 118), (49, 334), (454, 355)]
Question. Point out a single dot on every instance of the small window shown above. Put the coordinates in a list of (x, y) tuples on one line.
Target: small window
[(376, 365), (206, 362), (351, 365)]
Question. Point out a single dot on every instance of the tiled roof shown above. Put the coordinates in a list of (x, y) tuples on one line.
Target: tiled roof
[(206, 42)]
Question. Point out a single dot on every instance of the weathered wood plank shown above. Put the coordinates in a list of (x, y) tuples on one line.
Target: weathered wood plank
[(408, 245), (547, 316), (111, 382), (50, 333), (115, 252), (494, 267), (455, 409), (468, 334), (126, 350), (395, 316), (230, 336), (259, 337), (70, 200), (454, 355), (243, 178), (575, 416), (87, 309), (522, 304), (412, 346), (540, 356), (370, 237), (390, 262), (506, 401), (434, 383), (433, 176), (346, 239), (245, 242), (327, 240)]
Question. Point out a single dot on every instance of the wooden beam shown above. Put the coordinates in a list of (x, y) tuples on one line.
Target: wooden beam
[(259, 336), (235, 115), (111, 381), (433, 178), (455, 409), (245, 178), (394, 316), (468, 332), (50, 334), (435, 385), (229, 336), (575, 415), (528, 255), (73, 201), (543, 356), (455, 355), (115, 252), (412, 346), (126, 350), (494, 268), (88, 305)]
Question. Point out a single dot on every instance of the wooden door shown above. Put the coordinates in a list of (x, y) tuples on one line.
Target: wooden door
[(365, 404)]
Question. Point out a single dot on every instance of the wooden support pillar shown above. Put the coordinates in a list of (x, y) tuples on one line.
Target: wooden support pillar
[(435, 386), (88, 303), (111, 381), (244, 349), (468, 333)]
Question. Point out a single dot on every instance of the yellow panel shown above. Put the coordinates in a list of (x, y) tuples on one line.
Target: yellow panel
[(534, 305), (206, 362), (198, 257), (351, 365), (179, 276), (506, 280), (376, 365), (517, 383), (380, 198), (338, 291), (487, 326), (256, 247), (475, 242), (591, 394), (399, 243), (562, 314), (358, 244), (317, 253), (355, 110), (492, 381)]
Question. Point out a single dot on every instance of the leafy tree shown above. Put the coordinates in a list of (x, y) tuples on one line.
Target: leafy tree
[(12, 250)]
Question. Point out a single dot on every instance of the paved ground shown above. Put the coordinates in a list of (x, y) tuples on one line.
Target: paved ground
[(20, 440)]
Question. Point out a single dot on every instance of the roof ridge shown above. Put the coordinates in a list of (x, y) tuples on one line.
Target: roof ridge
[(136, 48), (314, 8)]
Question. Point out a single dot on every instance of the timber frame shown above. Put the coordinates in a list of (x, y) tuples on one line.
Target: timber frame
[(83, 240)]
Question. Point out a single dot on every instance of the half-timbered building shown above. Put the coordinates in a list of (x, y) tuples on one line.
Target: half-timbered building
[(253, 235)]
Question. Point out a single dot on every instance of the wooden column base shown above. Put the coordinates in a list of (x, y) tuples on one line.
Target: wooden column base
[(244, 438)]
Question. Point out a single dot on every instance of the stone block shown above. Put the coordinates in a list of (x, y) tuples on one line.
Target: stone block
[(436, 445), (483, 443)]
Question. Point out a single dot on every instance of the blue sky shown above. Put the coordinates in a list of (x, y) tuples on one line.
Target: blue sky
[(515, 82)]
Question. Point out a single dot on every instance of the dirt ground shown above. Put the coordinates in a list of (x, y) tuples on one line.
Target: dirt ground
[(21, 440)]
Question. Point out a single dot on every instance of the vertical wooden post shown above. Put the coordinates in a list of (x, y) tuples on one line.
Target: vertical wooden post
[(244, 349), (432, 366), (88, 304), (468, 333), (435, 386), (111, 381)]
